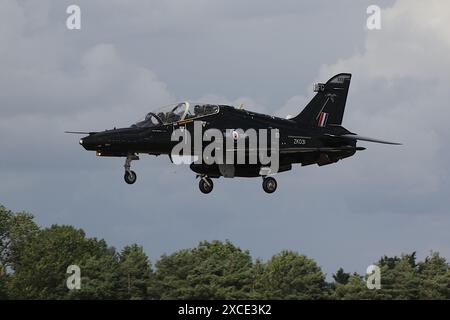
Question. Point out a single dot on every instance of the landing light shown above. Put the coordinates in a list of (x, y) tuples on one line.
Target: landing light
[(81, 141)]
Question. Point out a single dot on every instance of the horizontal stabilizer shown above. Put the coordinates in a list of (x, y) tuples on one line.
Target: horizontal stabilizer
[(300, 149), (357, 137), (323, 149)]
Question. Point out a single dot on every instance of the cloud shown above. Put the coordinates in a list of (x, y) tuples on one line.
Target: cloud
[(400, 91)]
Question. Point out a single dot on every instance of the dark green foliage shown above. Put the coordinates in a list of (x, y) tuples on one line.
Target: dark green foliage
[(99, 276), (16, 229), (135, 273), (434, 275), (213, 270), (41, 270), (402, 278), (34, 261), (354, 289), (3, 285), (341, 277), (289, 275), (399, 279)]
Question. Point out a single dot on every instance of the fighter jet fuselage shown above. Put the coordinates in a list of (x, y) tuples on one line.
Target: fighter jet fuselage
[(240, 136)]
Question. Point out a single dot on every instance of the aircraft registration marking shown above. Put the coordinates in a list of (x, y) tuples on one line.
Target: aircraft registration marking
[(299, 140)]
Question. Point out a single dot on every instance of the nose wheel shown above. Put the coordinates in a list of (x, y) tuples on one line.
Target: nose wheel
[(206, 185), (130, 176), (269, 184)]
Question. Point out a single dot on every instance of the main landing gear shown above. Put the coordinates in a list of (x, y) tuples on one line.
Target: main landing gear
[(130, 176), (205, 184), (269, 184)]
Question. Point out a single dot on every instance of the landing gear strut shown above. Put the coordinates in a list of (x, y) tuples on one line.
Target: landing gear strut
[(130, 176), (269, 184), (205, 184)]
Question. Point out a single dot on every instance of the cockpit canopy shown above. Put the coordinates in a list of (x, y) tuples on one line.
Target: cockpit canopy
[(177, 112)]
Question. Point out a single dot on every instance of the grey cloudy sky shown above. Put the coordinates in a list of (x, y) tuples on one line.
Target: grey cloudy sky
[(133, 56)]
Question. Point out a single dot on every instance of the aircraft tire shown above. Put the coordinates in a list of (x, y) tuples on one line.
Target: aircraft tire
[(269, 185), (206, 185), (130, 177)]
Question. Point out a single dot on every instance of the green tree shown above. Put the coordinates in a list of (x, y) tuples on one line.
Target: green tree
[(399, 278), (434, 274), (257, 274), (3, 285), (212, 270), (135, 273), (99, 276), (16, 230), (353, 289), (289, 275), (341, 277), (33, 265), (41, 271)]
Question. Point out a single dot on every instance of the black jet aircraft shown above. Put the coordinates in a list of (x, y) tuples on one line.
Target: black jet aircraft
[(314, 136)]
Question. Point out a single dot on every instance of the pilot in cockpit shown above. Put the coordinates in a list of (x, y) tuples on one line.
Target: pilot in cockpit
[(172, 117), (198, 110), (162, 116)]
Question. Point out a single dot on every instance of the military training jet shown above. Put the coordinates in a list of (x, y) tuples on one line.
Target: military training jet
[(314, 136)]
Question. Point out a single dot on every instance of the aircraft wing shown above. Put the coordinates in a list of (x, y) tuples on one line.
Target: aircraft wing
[(79, 132)]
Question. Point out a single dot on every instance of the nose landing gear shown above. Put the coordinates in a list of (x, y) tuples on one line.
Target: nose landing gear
[(130, 176)]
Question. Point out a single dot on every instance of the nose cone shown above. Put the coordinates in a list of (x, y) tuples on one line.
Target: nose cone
[(88, 142)]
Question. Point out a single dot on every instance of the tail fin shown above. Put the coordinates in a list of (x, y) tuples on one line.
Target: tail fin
[(328, 105)]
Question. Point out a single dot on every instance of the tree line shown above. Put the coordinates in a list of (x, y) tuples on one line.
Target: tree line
[(34, 261)]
